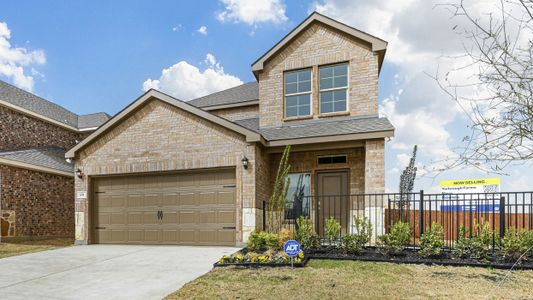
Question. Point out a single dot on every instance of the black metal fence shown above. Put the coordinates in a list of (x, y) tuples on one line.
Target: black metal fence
[(500, 211)]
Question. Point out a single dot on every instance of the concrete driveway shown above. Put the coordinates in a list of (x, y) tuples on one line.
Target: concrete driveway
[(105, 271)]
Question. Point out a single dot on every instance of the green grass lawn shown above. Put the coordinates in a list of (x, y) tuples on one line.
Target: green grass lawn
[(18, 248), (334, 279)]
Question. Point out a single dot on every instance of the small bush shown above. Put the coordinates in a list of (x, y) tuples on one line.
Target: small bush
[(260, 241), (284, 235), (362, 233), (432, 241), (332, 229), (467, 247), (305, 234), (516, 244), (395, 241), (476, 246)]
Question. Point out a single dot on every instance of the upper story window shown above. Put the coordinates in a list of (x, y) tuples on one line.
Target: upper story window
[(333, 88), (298, 93)]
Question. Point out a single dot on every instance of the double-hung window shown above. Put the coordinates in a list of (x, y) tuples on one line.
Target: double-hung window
[(333, 88), (297, 93)]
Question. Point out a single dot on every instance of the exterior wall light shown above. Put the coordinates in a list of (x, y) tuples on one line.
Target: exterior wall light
[(79, 174), (244, 161)]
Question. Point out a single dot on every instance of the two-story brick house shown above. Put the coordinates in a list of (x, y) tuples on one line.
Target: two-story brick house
[(36, 183), (163, 171)]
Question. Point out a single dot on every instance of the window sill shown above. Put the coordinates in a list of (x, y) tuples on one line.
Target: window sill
[(297, 118), (334, 114)]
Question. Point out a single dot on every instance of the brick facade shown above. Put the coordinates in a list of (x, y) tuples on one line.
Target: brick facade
[(36, 204), (21, 131), (238, 113), (316, 46), (161, 137)]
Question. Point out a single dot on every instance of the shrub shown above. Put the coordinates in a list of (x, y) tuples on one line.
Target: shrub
[(467, 247), (516, 244), (432, 241), (284, 235), (362, 232), (305, 234), (332, 229), (395, 241), (272, 241), (259, 241), (476, 246)]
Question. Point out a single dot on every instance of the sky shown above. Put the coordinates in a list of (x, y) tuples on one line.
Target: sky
[(91, 56)]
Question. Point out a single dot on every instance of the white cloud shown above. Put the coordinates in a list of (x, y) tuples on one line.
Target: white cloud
[(177, 28), (185, 81), (202, 30), (14, 61), (252, 12)]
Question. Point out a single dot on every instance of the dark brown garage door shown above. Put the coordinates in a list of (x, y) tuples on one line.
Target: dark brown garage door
[(196, 208)]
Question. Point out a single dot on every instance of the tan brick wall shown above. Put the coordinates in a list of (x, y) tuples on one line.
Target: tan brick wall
[(375, 166), (307, 162), (238, 113), (320, 45), (161, 137)]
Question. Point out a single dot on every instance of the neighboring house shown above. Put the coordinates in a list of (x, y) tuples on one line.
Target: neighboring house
[(163, 171), (36, 183)]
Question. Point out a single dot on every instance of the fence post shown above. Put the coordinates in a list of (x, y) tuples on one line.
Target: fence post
[(264, 215), (502, 217), (421, 219)]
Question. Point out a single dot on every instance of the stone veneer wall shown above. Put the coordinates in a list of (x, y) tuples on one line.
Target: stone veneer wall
[(320, 45), (161, 137), (238, 113), (375, 166), (36, 204), (20, 131)]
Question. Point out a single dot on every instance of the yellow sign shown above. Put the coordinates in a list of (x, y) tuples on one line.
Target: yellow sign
[(476, 185)]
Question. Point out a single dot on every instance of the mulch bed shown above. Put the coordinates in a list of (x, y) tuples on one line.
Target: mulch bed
[(412, 257)]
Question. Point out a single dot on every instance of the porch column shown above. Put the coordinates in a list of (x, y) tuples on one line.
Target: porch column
[(375, 184)]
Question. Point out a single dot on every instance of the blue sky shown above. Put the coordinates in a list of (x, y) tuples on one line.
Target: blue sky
[(91, 56)]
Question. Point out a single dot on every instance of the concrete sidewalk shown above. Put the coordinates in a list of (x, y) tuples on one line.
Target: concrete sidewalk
[(105, 271)]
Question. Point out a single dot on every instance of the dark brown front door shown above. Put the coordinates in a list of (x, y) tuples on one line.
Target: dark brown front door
[(332, 200)]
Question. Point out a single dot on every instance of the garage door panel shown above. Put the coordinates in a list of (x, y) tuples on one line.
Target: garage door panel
[(187, 217), (226, 197), (226, 217), (207, 236), (187, 236), (170, 217), (195, 206), (207, 217), (207, 198), (135, 218), (187, 199)]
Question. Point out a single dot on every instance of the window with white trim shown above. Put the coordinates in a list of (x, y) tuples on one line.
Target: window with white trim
[(333, 88), (297, 93)]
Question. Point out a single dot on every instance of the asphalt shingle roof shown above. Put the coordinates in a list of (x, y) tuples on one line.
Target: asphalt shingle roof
[(49, 157), (242, 93), (92, 120), (319, 128), (43, 107)]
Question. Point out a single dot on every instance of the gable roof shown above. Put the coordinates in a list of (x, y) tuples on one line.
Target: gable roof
[(28, 103), (244, 94), (378, 45), (45, 159), (152, 94)]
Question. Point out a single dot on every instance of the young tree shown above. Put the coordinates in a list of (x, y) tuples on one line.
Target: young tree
[(407, 181), (276, 204), (498, 96)]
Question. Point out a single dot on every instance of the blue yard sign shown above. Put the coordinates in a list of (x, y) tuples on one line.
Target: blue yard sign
[(292, 248)]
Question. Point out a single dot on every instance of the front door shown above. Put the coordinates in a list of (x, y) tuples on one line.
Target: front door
[(332, 199)]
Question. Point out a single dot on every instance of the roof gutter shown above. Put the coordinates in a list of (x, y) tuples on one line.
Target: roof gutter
[(332, 138), (27, 166)]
